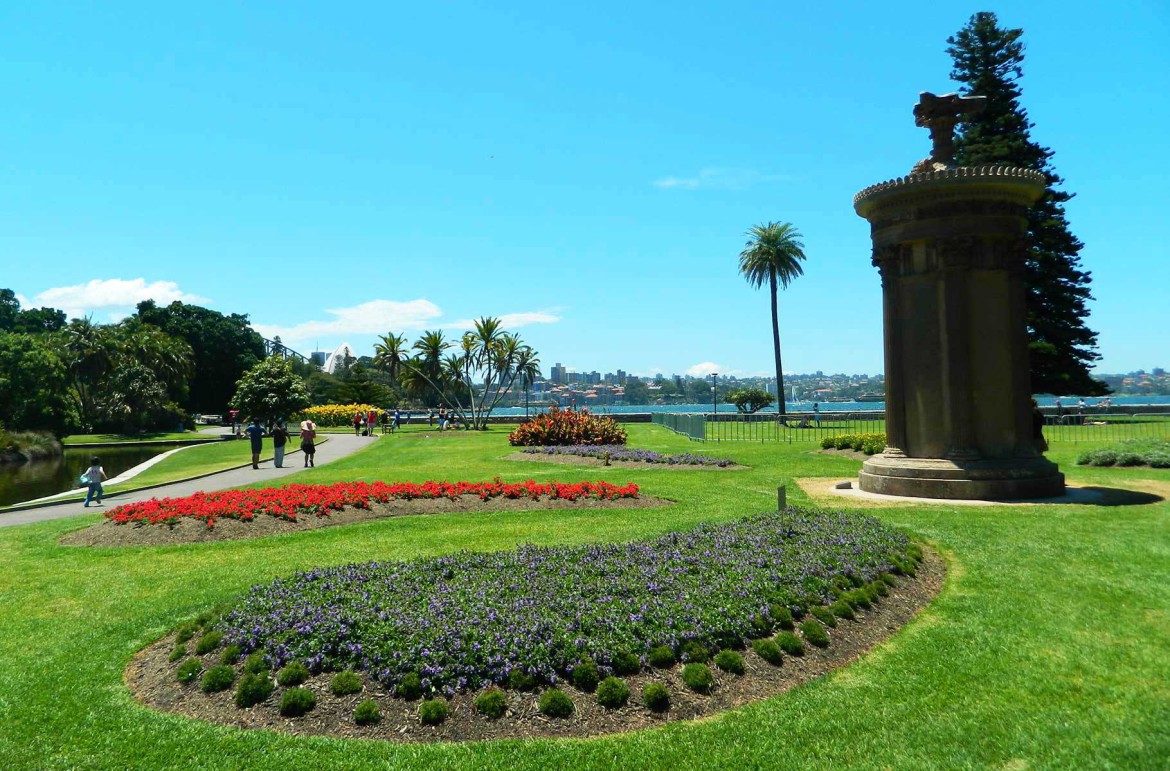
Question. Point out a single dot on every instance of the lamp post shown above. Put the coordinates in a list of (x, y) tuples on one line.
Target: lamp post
[(714, 393), (525, 381)]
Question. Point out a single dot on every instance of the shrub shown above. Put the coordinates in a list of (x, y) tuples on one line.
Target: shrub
[(656, 697), (519, 680), (842, 609), (186, 632), (253, 689), (208, 642), (824, 615), (888, 579), (870, 444), (345, 683), (218, 678), (410, 687), (433, 712), (564, 427), (613, 693), (293, 673), (334, 414), (729, 661), (178, 652), (367, 713), (585, 676), (230, 655), (790, 644), (1132, 452), (693, 650), (880, 588), (207, 617), (626, 663), (782, 616), (555, 703), (255, 664), (698, 677), (858, 599), (492, 703), (296, 702), (769, 651), (189, 670), (815, 633), (661, 656)]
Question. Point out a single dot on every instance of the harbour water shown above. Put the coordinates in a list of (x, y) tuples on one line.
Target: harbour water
[(36, 479)]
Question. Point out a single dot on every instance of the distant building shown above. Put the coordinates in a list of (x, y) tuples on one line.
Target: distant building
[(559, 374), (337, 359), (318, 358)]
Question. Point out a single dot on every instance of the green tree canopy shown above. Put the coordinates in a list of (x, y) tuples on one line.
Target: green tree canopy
[(33, 385), (270, 391), (750, 400), (988, 61), (772, 256)]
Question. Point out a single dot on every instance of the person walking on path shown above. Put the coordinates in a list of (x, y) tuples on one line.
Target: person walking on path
[(308, 445), (256, 434), (817, 413), (93, 477), (279, 439)]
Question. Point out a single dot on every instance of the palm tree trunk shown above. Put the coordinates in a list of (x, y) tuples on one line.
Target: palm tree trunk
[(776, 347)]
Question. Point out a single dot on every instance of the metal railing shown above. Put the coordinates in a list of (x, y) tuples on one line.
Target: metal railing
[(1105, 427), (690, 425)]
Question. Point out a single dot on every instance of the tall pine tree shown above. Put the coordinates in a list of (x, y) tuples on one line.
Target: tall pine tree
[(988, 62)]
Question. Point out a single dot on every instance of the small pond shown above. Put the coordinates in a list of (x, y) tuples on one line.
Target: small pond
[(36, 479)]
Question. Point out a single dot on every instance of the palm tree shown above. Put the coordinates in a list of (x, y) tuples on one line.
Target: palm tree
[(390, 353), (773, 254)]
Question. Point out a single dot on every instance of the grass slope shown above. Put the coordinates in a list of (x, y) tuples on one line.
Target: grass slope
[(1050, 646)]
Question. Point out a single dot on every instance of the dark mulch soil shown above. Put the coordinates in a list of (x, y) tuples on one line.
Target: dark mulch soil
[(579, 460), (190, 530), (151, 679)]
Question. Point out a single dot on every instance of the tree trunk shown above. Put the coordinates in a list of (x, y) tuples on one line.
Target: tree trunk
[(780, 406)]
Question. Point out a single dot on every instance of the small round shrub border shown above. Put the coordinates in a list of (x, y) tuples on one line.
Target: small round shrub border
[(628, 454), (652, 694), (1154, 453)]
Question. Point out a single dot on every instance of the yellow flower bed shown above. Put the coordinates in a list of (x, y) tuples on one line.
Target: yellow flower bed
[(336, 414)]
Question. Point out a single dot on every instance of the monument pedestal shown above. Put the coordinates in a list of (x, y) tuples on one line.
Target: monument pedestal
[(949, 244)]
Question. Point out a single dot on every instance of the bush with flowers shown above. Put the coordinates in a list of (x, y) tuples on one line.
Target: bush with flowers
[(336, 414), (291, 501), (565, 427)]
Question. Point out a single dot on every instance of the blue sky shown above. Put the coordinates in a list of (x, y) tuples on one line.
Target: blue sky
[(339, 171)]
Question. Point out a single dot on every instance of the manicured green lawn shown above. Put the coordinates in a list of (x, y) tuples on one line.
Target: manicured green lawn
[(1049, 647), (157, 436)]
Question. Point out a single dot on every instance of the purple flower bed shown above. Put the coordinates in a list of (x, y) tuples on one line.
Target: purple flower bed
[(617, 452), (465, 620)]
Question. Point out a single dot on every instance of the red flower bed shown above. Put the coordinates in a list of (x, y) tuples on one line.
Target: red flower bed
[(293, 500)]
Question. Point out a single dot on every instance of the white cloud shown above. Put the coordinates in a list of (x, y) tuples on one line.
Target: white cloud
[(719, 178), (705, 369), (376, 317), (510, 321), (113, 294)]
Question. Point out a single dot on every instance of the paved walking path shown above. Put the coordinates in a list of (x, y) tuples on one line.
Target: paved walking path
[(338, 446)]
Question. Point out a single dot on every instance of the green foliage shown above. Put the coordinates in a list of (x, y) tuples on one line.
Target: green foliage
[(782, 616), (790, 644), (661, 656), (626, 663), (613, 693), (555, 703), (433, 712), (492, 703), (698, 677), (730, 661), (566, 427), (297, 701), (186, 632), (189, 670), (693, 650), (218, 678), (271, 391), (255, 663), (815, 633), (870, 444), (1134, 452), (586, 676), (656, 697), (519, 680), (768, 650), (231, 654), (34, 393), (411, 687), (824, 615), (293, 673), (842, 609), (749, 400), (253, 689), (208, 642), (345, 683), (988, 61), (367, 713), (178, 652)]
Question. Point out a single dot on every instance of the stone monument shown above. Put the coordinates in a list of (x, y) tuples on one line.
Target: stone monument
[(949, 244)]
